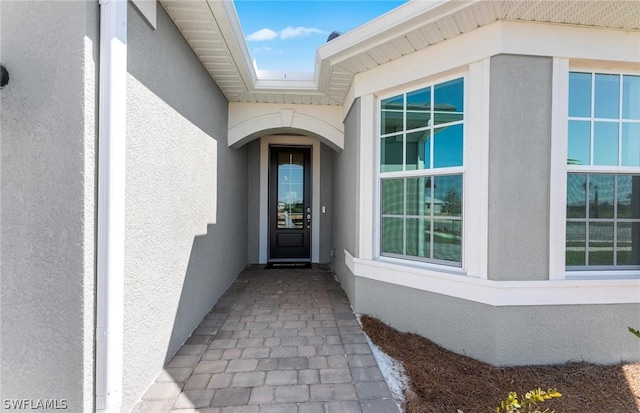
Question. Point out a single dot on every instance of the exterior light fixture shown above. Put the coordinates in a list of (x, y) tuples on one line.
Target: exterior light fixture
[(5, 76)]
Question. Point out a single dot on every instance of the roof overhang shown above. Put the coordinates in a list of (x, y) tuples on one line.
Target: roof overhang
[(212, 29)]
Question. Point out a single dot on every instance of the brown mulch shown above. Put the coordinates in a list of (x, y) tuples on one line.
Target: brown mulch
[(443, 382)]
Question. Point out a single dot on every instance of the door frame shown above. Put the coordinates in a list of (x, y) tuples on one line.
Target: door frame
[(286, 140), (289, 253)]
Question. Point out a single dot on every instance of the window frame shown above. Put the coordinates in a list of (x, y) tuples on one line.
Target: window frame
[(562, 67), (403, 259)]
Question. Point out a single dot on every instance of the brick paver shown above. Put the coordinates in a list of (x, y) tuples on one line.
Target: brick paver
[(279, 340)]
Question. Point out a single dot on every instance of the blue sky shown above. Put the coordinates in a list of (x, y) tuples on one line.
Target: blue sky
[(284, 35)]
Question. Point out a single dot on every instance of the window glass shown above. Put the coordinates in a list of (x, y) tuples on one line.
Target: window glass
[(447, 240), (447, 195), (608, 234), (391, 154), (600, 191), (449, 96), (628, 196), (418, 108), (630, 144), (447, 146), (628, 244), (393, 196), (579, 143), (580, 94), (418, 242), (603, 188), (392, 230), (417, 193), (631, 97), (600, 243), (418, 150), (576, 196), (607, 96), (576, 244), (392, 115), (421, 132), (605, 143)]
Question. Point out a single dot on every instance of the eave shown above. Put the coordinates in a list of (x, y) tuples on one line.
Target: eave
[(212, 29)]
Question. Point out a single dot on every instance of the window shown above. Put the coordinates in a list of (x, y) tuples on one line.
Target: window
[(603, 165), (421, 174)]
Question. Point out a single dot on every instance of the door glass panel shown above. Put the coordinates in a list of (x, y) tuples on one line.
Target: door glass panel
[(290, 190)]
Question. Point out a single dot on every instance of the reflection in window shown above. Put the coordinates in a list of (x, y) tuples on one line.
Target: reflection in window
[(429, 224), (603, 180), (604, 119), (421, 133), (290, 190), (603, 220)]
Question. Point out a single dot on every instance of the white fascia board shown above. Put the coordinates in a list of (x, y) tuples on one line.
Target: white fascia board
[(435, 60), (395, 23), (285, 85), (577, 43), (570, 41), (224, 13)]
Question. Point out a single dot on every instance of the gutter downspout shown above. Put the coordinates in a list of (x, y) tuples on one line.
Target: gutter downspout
[(111, 205)]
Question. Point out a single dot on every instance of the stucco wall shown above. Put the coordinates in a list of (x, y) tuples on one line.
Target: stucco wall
[(326, 185), (253, 200), (186, 205), (506, 336), (47, 167), (519, 167), (344, 220)]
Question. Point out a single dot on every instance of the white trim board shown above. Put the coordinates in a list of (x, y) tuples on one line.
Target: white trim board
[(264, 191), (498, 293), (501, 37)]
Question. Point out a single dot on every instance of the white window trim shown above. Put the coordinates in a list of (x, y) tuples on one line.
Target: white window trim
[(559, 170), (497, 293), (474, 170)]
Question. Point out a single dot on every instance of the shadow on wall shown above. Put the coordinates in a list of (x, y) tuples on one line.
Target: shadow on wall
[(205, 258), (181, 179)]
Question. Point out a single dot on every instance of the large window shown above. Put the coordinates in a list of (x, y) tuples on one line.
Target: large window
[(603, 180), (421, 171)]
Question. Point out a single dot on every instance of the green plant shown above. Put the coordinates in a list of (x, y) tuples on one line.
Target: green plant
[(636, 332), (512, 404)]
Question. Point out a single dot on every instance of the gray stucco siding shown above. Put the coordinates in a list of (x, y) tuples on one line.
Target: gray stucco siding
[(345, 185), (326, 192), (47, 190), (506, 336), (186, 199), (253, 200), (519, 167)]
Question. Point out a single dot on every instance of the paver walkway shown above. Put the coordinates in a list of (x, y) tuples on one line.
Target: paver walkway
[(279, 340)]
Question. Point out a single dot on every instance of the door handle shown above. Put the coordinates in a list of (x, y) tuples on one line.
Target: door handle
[(308, 218)]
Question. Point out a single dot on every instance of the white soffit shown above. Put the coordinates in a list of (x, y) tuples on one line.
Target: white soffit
[(213, 30)]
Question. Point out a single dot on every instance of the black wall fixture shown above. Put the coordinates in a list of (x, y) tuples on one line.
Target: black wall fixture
[(5, 76)]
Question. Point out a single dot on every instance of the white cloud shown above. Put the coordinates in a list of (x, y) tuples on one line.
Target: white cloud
[(262, 35), (290, 32), (286, 33)]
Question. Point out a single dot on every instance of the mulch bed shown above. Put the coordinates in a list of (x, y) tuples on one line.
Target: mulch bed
[(443, 382)]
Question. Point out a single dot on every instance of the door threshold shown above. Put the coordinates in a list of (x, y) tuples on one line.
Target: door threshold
[(288, 264)]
